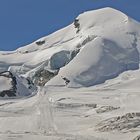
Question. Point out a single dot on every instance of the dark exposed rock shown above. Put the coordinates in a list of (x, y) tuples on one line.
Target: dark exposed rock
[(74, 53), (126, 122), (17, 85), (26, 51), (40, 42), (67, 81), (74, 105), (42, 77), (137, 138), (11, 92), (106, 109), (30, 83), (77, 25)]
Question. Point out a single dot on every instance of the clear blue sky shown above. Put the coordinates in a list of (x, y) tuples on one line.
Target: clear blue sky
[(23, 21)]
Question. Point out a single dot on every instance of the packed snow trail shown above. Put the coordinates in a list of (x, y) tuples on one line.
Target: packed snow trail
[(32, 118), (46, 121)]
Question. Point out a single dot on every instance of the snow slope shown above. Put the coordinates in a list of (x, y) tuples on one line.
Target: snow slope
[(61, 113)]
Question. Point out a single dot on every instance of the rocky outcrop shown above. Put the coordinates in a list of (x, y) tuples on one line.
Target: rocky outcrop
[(77, 25), (67, 81), (12, 85), (12, 91), (42, 76), (137, 138), (104, 109), (40, 42), (126, 122), (74, 105)]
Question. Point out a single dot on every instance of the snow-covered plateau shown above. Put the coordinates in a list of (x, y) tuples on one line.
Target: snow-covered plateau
[(79, 83)]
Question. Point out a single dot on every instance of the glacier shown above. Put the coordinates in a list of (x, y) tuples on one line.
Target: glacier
[(80, 82)]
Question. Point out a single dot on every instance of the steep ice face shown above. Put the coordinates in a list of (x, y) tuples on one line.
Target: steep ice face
[(98, 61)]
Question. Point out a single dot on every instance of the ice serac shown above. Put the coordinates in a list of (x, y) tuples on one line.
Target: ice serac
[(97, 46)]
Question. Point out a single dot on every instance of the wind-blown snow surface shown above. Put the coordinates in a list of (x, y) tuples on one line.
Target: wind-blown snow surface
[(98, 46), (77, 114)]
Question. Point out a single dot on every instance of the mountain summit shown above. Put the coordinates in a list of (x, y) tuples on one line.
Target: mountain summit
[(97, 46)]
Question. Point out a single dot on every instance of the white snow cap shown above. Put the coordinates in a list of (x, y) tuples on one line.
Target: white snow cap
[(99, 45)]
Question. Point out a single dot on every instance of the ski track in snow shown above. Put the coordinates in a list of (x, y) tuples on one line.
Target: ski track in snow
[(54, 123), (46, 128)]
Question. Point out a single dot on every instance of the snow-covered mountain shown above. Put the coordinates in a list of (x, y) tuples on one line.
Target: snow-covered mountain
[(99, 53), (97, 46)]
